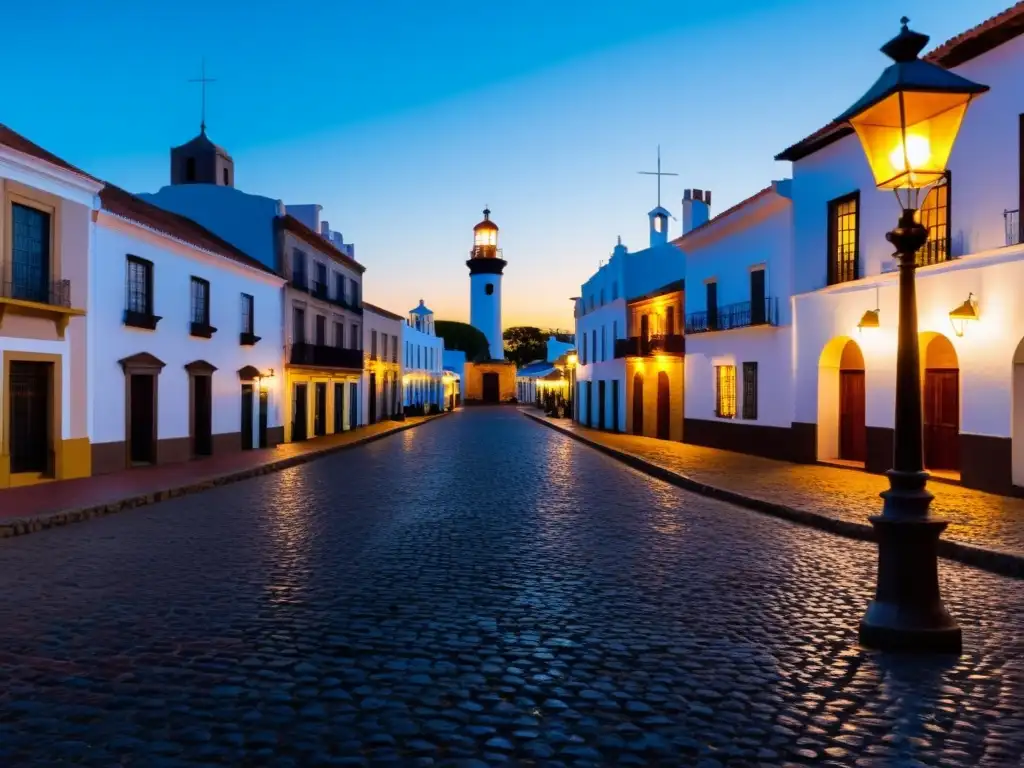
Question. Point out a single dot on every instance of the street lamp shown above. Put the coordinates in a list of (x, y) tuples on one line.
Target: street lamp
[(907, 123)]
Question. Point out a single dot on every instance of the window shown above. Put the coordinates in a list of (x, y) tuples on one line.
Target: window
[(593, 344), (30, 254), (604, 350), (602, 297), (384, 347), (355, 293), (339, 334), (843, 226), (489, 289), (339, 286), (298, 268), (140, 286), (711, 304), (299, 325), (750, 390), (725, 391), (190, 169), (248, 317), (226, 182), (394, 349), (321, 279), (583, 357), (200, 301), (758, 313), (321, 330), (355, 337), (670, 320), (373, 344), (935, 218), (407, 363)]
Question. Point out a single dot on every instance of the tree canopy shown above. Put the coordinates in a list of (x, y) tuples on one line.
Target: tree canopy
[(525, 343), (463, 337)]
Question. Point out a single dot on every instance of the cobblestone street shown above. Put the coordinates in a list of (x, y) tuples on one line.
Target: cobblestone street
[(475, 591)]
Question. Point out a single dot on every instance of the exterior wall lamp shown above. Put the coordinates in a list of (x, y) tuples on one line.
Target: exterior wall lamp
[(962, 315), (868, 321), (907, 123)]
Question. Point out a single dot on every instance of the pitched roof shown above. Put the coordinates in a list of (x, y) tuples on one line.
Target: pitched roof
[(128, 206), (725, 214), (980, 39), (382, 312), (17, 142), (314, 239)]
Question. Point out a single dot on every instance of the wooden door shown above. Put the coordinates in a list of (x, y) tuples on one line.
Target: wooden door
[(202, 415), (615, 405), (664, 406), (942, 418), (299, 412), (142, 418), (638, 404), (852, 431), (30, 416), (247, 402), (589, 389), (339, 407), (264, 408), (491, 388), (373, 398), (645, 334), (320, 409)]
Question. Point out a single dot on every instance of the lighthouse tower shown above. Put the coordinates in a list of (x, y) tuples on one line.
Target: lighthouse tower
[(485, 268)]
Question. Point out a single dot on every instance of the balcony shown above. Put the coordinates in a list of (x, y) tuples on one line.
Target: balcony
[(1011, 221), (658, 344), (319, 290), (344, 303), (323, 356), (48, 298), (744, 314), (299, 281)]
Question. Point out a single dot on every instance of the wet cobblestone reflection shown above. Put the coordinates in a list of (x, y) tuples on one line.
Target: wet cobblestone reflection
[(480, 590)]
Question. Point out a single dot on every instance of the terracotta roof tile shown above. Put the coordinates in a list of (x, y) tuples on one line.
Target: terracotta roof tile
[(17, 142), (299, 229), (128, 206), (977, 40)]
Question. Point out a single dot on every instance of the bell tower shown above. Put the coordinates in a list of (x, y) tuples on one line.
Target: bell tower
[(485, 270)]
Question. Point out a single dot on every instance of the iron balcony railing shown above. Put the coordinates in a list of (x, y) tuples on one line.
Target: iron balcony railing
[(345, 303), (658, 344), (319, 289), (743, 314), (300, 280), (56, 293), (303, 353), (1011, 222)]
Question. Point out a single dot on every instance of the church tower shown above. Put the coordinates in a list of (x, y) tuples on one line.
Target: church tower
[(485, 269), (200, 161)]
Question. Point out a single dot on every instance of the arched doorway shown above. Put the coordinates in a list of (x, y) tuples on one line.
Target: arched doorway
[(638, 403), (842, 433), (664, 406), (940, 383)]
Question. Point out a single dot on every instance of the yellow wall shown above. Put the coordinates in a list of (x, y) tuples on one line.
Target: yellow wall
[(311, 378), (650, 367), (473, 380)]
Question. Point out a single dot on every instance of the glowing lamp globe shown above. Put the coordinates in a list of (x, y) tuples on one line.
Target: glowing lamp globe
[(485, 236), (908, 120)]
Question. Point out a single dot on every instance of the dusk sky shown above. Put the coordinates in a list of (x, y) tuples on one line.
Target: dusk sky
[(403, 118)]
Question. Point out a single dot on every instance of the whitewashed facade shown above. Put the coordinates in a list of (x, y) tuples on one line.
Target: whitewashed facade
[(739, 281), (844, 394), (382, 374), (157, 280), (423, 361)]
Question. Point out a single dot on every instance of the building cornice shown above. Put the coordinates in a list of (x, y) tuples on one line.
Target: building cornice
[(33, 171)]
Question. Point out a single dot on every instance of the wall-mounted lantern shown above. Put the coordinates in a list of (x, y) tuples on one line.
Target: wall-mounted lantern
[(962, 315)]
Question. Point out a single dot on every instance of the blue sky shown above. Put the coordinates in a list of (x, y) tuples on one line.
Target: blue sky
[(404, 118)]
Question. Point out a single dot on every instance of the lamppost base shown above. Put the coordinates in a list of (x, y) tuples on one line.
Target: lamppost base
[(907, 613)]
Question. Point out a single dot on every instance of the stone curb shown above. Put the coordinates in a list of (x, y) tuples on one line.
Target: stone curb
[(992, 560), (20, 527)]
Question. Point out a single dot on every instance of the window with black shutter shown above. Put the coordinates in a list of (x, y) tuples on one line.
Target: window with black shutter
[(750, 390)]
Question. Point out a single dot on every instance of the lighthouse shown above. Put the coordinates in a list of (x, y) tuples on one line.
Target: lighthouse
[(485, 269)]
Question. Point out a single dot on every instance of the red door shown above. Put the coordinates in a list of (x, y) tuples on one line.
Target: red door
[(942, 418), (852, 432)]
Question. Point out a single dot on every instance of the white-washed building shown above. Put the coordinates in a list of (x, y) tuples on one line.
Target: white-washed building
[(739, 372), (845, 307), (423, 355), (601, 316), (188, 355), (382, 376), (46, 250), (322, 304)]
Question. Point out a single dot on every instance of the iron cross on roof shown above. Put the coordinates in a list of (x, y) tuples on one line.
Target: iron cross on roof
[(659, 173), (203, 79)]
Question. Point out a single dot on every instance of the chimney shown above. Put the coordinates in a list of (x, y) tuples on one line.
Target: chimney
[(696, 208), (325, 230)]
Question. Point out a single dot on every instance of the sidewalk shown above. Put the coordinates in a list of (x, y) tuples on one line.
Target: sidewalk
[(34, 508), (984, 530)]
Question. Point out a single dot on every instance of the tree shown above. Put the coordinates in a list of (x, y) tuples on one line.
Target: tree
[(524, 344), (463, 337)]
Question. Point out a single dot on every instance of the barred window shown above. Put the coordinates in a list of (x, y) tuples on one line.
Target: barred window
[(200, 301), (140, 286), (725, 391), (843, 231), (750, 390), (935, 218), (248, 318)]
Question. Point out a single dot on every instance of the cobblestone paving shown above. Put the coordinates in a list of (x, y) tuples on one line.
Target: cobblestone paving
[(974, 517), (478, 591)]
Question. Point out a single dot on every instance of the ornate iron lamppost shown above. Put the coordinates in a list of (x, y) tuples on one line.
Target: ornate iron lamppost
[(907, 123)]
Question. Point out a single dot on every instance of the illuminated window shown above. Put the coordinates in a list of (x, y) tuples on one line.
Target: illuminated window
[(843, 226), (725, 391), (935, 218), (659, 223)]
